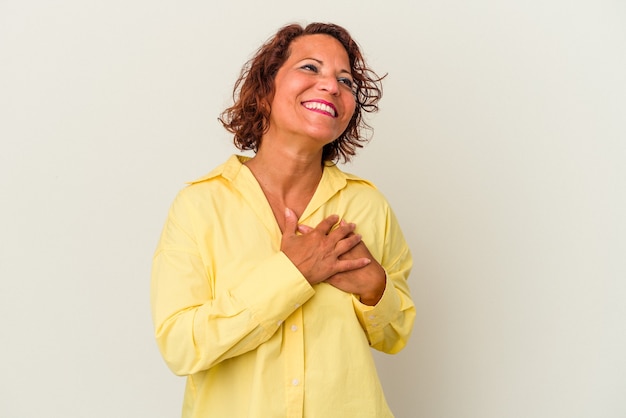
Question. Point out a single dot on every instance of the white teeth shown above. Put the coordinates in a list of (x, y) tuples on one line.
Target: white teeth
[(320, 106)]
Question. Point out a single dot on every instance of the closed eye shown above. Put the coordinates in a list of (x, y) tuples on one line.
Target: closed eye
[(346, 81), (309, 67)]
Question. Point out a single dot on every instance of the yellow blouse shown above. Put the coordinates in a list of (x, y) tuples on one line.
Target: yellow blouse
[(236, 316)]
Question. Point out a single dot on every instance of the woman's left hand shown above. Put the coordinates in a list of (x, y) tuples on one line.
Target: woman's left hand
[(367, 282)]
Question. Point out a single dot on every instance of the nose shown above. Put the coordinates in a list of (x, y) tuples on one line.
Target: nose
[(329, 83)]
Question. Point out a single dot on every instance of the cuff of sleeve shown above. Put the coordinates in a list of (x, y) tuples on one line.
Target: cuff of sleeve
[(374, 318), (274, 291)]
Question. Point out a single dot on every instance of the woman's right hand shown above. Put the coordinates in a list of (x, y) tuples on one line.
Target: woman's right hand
[(316, 253)]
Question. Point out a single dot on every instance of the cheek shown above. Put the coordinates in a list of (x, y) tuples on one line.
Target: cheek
[(350, 107)]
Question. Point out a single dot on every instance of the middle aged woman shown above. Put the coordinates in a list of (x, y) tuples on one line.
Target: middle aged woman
[(275, 274)]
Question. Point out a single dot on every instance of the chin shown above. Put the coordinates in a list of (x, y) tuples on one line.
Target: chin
[(324, 137)]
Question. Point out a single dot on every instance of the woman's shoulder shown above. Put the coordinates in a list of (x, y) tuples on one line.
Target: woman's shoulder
[(360, 187), (214, 185), (354, 181), (227, 170)]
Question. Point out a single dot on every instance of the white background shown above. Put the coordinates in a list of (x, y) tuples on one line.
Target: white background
[(500, 144)]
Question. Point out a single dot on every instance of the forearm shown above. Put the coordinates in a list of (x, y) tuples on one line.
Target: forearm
[(196, 330), (389, 322)]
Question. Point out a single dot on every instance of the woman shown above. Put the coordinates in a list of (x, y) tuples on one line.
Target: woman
[(275, 274)]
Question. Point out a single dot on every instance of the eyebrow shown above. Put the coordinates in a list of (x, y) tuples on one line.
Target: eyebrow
[(322, 63)]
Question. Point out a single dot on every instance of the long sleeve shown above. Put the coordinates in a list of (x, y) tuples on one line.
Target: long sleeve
[(388, 324), (234, 314), (198, 326)]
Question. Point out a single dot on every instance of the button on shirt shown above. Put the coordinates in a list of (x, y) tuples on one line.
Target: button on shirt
[(254, 338)]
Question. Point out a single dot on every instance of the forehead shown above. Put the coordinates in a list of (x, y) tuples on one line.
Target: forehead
[(311, 46)]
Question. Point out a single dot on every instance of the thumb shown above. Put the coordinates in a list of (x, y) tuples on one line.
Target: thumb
[(291, 222)]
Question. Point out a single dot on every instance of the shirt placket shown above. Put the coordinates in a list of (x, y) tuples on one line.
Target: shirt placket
[(294, 368)]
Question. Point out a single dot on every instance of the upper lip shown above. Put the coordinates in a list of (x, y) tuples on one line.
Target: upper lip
[(324, 102)]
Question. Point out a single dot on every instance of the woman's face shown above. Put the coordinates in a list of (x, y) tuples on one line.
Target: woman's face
[(313, 97)]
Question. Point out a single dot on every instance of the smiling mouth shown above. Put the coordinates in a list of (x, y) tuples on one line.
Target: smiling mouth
[(321, 107)]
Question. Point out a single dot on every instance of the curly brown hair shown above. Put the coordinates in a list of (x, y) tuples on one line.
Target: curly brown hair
[(248, 117)]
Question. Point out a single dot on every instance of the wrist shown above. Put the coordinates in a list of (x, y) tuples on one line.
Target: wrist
[(375, 295)]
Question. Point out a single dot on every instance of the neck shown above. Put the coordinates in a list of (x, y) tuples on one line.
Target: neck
[(284, 171), (288, 179)]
